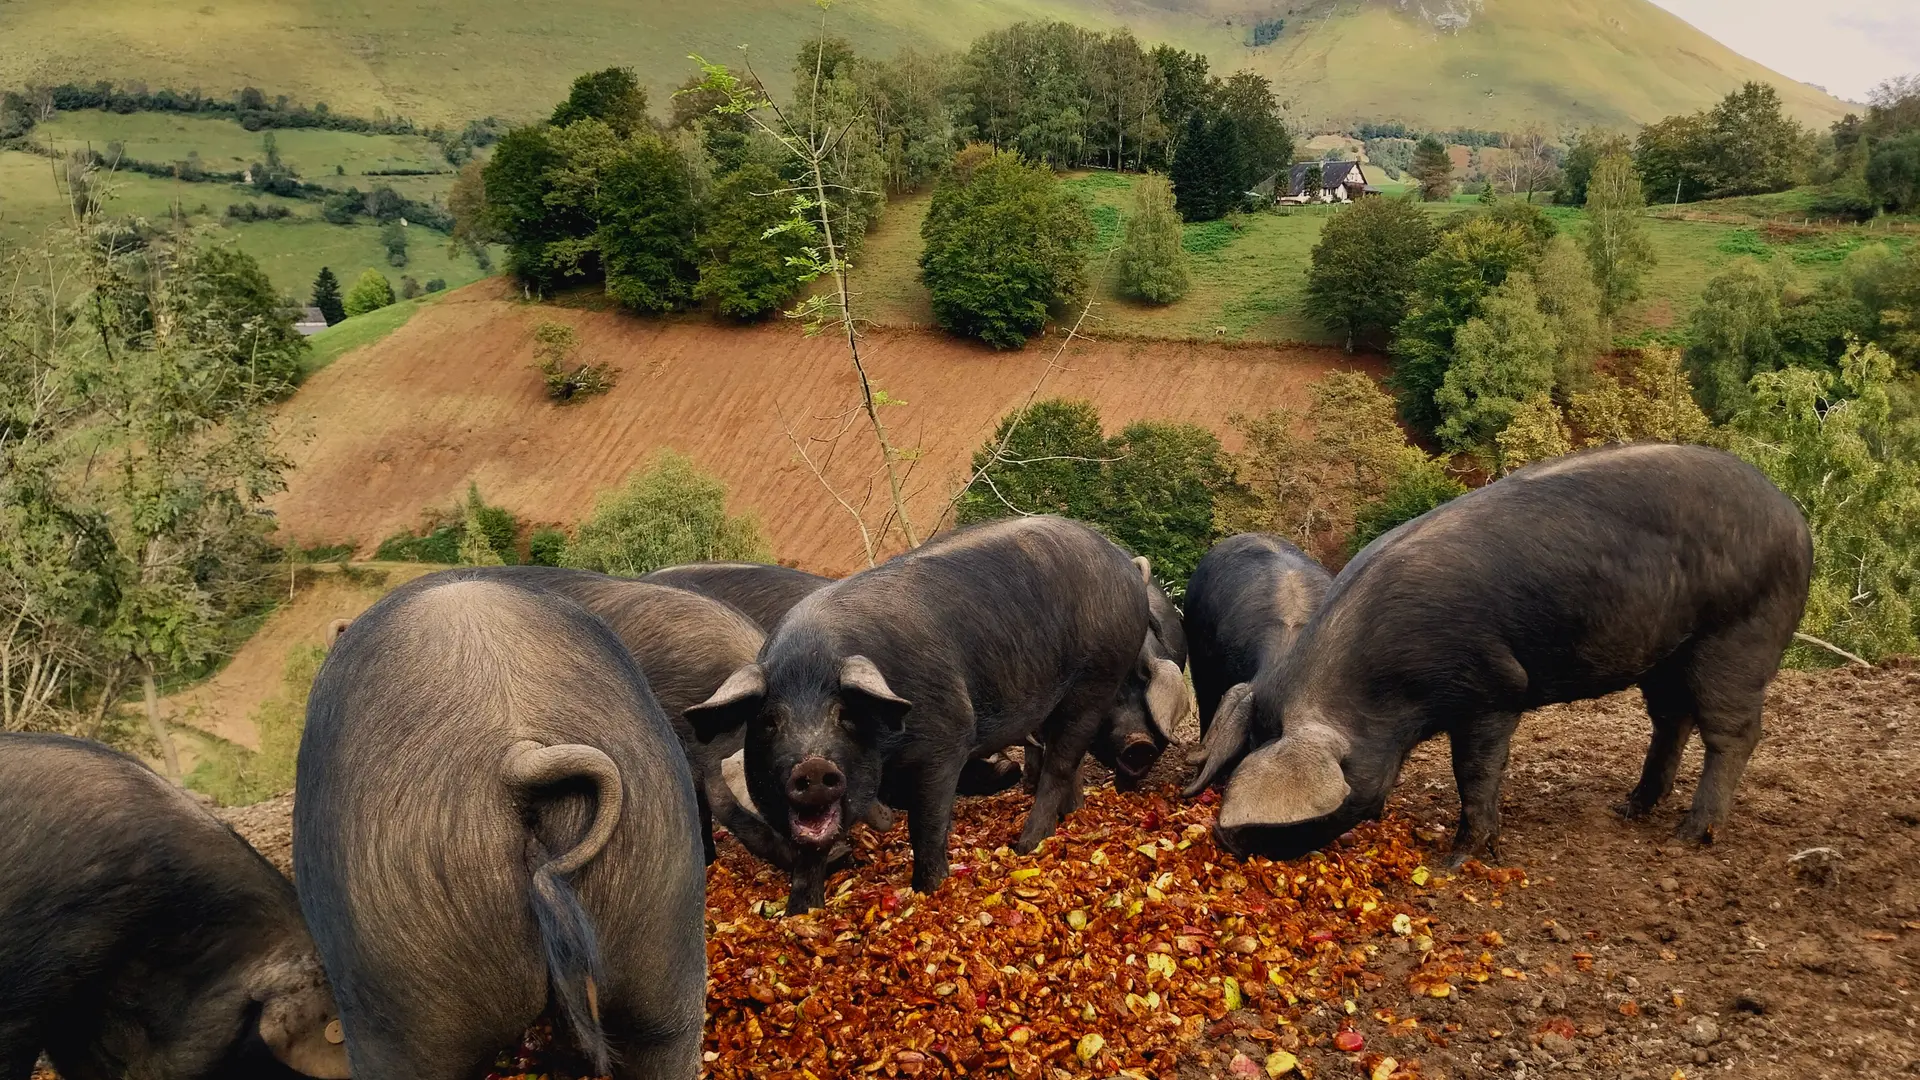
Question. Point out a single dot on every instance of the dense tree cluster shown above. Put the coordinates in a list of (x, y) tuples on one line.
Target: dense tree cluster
[(1745, 145), (1151, 488)]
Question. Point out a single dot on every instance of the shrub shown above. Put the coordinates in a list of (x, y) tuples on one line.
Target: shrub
[(439, 545), (1414, 490), (235, 776), (546, 546), (436, 284), (409, 288), (1161, 482), (371, 293), (663, 515), (393, 237), (553, 346), (1003, 244), (1153, 265), (472, 534)]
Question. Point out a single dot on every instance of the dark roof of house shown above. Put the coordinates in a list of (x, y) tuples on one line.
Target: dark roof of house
[(1332, 175)]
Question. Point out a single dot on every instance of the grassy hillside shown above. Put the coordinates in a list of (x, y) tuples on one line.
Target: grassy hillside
[(1564, 62), (1249, 277)]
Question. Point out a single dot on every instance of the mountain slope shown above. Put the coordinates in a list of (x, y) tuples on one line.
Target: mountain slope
[(1439, 63)]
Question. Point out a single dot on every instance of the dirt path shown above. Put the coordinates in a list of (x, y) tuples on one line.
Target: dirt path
[(403, 424), (1632, 956)]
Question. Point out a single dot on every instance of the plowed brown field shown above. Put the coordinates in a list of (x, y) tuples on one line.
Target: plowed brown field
[(404, 423)]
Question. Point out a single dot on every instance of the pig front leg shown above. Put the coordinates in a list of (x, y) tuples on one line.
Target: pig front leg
[(807, 888), (1480, 747), (930, 821)]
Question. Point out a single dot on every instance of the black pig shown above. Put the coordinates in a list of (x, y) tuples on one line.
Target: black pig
[(1247, 602), (1153, 700), (491, 812), (139, 936), (1678, 569), (763, 591), (895, 677)]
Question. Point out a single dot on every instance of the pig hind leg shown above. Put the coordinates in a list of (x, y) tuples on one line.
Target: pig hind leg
[(19, 1049), (1728, 680), (1671, 706), (1480, 747), (1068, 733)]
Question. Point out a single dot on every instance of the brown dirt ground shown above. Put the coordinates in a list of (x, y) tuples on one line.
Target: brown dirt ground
[(1642, 957), (403, 424)]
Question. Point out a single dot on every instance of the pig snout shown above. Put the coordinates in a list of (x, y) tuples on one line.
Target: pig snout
[(815, 789), (1138, 755)]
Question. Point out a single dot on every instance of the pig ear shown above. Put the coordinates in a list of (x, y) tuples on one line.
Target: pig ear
[(1226, 737), (1296, 779), (1145, 566), (1166, 696), (335, 629), (730, 706), (859, 678)]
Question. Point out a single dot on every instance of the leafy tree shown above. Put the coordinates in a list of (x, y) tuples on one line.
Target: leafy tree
[(473, 226), (326, 296), (612, 96), (1347, 473), (1537, 432), (645, 227), (135, 462), (1160, 491), (750, 256), (1468, 262), (1043, 460), (1886, 284), (1363, 267), (1571, 303), (1735, 333), (1505, 356), (222, 299), (515, 184), (1826, 442), (1744, 145), (1420, 487), (1673, 159), (1893, 173), (665, 514), (1183, 76), (1002, 245), (1587, 150), (1617, 245), (372, 292), (1529, 219), (1153, 265), (1433, 169), (1653, 403)]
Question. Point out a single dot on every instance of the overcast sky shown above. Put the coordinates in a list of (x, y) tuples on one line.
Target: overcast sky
[(1847, 46)]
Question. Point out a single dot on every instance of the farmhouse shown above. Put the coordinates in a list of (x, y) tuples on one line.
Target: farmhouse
[(311, 321), (1340, 181)]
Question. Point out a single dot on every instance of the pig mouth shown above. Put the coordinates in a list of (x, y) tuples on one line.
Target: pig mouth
[(815, 826)]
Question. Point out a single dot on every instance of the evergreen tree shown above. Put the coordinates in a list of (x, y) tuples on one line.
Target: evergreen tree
[(1617, 246), (1153, 265), (326, 296), (1433, 169)]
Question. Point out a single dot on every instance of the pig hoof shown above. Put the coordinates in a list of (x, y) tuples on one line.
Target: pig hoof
[(1694, 832), (1632, 809)]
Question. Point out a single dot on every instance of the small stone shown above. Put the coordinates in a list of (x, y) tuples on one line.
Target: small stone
[(1669, 885), (1630, 982), (1745, 1046), (1701, 1031), (1701, 1057), (1561, 934), (1556, 1044)]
